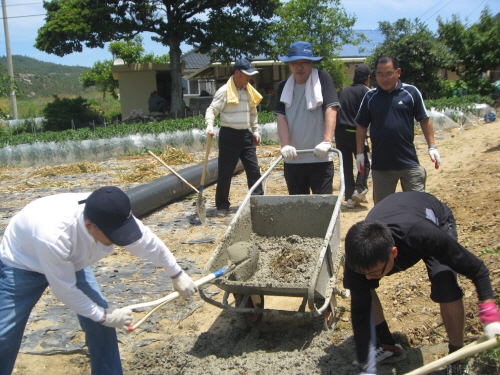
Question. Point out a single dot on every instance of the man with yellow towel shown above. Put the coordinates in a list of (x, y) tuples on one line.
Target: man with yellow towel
[(236, 102)]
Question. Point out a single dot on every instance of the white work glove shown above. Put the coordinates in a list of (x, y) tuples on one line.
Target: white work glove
[(184, 285), (435, 157), (118, 318), (210, 130), (289, 152), (256, 138), (492, 329), (360, 162), (490, 317), (321, 150)]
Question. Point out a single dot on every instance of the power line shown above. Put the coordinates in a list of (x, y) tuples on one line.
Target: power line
[(438, 10), (16, 5), (32, 15), (467, 18), (428, 10)]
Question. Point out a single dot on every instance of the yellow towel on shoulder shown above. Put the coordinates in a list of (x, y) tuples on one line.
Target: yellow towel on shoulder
[(232, 94)]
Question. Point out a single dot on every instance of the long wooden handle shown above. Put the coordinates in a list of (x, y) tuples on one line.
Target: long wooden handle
[(207, 152), (475, 347), (162, 301), (174, 172)]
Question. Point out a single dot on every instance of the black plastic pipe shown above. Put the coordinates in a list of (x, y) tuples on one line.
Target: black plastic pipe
[(157, 193)]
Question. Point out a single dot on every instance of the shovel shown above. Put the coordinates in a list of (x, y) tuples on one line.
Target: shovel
[(200, 204), (243, 260), (201, 216), (475, 347)]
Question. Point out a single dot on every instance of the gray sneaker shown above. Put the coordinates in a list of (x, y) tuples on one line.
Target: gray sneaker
[(456, 368), (350, 203), (222, 212), (358, 197)]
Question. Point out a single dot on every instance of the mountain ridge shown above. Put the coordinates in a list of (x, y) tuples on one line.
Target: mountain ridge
[(30, 65)]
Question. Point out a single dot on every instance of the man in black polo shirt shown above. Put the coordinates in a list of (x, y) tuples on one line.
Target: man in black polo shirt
[(401, 230), (390, 111)]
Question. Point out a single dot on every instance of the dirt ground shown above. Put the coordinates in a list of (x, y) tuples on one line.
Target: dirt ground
[(210, 340)]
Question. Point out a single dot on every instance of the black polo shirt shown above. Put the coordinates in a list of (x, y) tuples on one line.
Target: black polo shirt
[(391, 119)]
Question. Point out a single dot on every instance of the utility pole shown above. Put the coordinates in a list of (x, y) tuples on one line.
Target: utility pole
[(10, 69)]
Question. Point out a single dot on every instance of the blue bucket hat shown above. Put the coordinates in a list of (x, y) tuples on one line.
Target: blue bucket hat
[(300, 51)]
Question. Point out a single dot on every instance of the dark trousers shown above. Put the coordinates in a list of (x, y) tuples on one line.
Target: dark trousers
[(345, 142), (235, 145), (309, 177)]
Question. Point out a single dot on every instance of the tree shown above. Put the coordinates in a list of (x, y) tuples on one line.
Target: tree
[(131, 51), (61, 113), (230, 28), (476, 49), (323, 23), (419, 52)]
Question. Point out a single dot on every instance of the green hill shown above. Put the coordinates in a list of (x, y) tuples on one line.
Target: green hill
[(40, 79), (29, 65)]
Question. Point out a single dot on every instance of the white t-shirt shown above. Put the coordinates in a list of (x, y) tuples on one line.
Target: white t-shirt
[(49, 236)]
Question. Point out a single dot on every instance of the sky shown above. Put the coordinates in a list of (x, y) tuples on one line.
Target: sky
[(25, 17)]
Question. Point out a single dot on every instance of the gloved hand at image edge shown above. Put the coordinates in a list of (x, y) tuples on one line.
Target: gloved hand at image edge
[(435, 157), (321, 150), (256, 138), (360, 163), (118, 318), (490, 317), (289, 152), (184, 285)]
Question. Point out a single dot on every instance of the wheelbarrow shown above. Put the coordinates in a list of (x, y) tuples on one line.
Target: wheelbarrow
[(280, 216)]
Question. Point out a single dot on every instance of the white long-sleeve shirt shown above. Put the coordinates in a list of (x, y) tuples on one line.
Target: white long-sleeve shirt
[(237, 116), (49, 236)]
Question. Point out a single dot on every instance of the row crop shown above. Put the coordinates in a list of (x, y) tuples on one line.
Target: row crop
[(116, 131)]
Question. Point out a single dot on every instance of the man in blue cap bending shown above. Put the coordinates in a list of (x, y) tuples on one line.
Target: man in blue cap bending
[(53, 241)]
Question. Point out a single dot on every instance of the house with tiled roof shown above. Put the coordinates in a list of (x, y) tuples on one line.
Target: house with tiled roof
[(202, 76)]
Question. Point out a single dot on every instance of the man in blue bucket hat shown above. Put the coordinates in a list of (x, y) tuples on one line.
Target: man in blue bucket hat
[(306, 111)]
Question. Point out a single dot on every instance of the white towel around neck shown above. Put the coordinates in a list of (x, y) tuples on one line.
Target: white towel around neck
[(314, 97)]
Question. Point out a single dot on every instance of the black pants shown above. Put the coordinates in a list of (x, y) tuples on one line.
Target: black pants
[(345, 142), (309, 177), (234, 145)]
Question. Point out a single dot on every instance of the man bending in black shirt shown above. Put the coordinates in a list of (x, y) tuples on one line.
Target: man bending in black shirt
[(398, 232)]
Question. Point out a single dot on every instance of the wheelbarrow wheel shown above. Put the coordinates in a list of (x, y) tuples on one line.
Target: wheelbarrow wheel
[(254, 301), (327, 320)]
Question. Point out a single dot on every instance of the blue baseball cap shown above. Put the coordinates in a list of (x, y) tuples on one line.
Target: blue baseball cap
[(245, 66), (300, 51), (109, 208)]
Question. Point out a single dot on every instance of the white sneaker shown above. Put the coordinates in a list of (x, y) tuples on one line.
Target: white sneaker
[(359, 197), (388, 351), (350, 203)]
